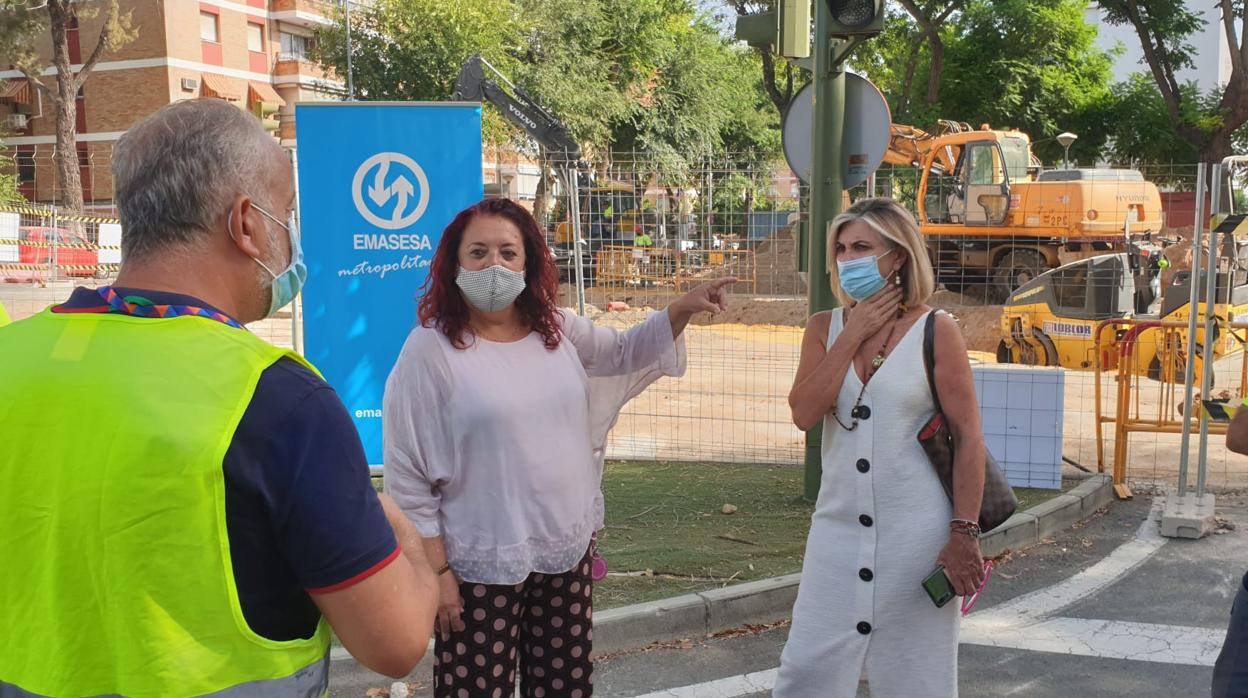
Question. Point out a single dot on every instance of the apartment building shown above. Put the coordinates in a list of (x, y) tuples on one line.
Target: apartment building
[(252, 53)]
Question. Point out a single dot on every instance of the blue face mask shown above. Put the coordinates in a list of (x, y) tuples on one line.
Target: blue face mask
[(860, 278), (287, 284)]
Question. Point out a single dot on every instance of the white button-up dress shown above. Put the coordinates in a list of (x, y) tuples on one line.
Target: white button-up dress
[(881, 520)]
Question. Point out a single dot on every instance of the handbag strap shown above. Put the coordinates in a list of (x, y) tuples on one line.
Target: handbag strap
[(929, 355)]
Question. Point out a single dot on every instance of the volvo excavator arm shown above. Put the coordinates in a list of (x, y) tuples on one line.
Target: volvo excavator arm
[(475, 85)]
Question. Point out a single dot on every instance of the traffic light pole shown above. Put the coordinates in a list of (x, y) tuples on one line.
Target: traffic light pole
[(826, 191)]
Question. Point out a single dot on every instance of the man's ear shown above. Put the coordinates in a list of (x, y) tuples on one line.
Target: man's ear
[(243, 226)]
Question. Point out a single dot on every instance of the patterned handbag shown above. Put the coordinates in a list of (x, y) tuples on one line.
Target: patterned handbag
[(999, 502)]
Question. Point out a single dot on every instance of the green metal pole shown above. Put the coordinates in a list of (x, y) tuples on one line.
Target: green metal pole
[(826, 191)]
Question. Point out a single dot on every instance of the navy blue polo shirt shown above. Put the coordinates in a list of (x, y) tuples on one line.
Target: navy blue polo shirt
[(301, 513)]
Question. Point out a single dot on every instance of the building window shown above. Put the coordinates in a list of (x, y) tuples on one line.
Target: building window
[(255, 37), (257, 58), (295, 47), (208, 27), (25, 167)]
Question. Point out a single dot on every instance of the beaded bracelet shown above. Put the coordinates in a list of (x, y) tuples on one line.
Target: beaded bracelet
[(965, 527)]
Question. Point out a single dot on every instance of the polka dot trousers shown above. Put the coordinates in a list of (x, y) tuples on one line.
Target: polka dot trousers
[(543, 625)]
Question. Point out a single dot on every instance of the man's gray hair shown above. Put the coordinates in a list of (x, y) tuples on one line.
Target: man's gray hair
[(176, 172)]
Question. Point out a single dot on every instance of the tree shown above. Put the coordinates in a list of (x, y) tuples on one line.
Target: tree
[(8, 179), (780, 78), (22, 27), (655, 77), (1033, 65), (413, 49), (931, 17), (1026, 64), (1164, 28), (1140, 126)]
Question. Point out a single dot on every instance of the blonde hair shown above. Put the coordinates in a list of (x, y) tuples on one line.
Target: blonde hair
[(896, 225)]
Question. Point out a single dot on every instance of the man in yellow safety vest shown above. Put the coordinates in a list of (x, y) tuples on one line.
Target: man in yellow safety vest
[(207, 517)]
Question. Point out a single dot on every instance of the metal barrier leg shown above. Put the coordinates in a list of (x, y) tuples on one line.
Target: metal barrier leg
[(1187, 514)]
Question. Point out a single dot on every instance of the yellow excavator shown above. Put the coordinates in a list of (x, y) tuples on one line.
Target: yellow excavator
[(992, 215)]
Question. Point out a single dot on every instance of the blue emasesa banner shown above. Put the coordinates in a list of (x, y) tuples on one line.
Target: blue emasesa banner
[(377, 184)]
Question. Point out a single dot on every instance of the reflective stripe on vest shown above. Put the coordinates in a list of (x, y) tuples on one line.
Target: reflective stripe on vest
[(309, 682), (117, 576)]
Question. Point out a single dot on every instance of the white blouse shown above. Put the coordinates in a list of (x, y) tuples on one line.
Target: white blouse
[(499, 447)]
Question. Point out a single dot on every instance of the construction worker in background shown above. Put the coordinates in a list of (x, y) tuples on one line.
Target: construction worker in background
[(643, 239), (208, 518), (4, 316), (1230, 672)]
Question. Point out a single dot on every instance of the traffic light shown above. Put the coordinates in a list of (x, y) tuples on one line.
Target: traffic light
[(794, 28), (786, 29), (856, 17)]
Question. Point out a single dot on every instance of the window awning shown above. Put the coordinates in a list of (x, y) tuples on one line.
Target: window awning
[(264, 93), (218, 86), (16, 91)]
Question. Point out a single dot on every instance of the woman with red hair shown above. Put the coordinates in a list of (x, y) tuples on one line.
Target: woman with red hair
[(496, 417)]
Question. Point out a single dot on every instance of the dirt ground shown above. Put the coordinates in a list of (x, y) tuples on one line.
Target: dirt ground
[(980, 323), (732, 404)]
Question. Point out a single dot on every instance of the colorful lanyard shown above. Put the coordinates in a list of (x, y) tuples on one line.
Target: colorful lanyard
[(141, 307)]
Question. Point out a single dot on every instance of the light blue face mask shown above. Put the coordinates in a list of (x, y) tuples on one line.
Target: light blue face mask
[(860, 278), (287, 284)]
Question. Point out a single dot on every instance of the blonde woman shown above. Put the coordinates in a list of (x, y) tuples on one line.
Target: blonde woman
[(882, 523)]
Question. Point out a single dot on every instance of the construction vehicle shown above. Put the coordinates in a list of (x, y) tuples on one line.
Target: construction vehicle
[(1053, 319), (992, 215), (609, 211)]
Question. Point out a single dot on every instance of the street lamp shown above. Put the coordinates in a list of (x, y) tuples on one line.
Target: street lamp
[(1066, 139)]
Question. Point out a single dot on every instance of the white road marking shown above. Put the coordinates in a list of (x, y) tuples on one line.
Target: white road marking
[(1115, 639), (1027, 623), (1046, 602), (730, 687)]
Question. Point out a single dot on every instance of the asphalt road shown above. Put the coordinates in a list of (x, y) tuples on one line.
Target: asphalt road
[(1106, 609)]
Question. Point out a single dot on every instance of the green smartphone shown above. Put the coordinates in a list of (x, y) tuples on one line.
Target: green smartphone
[(938, 587)]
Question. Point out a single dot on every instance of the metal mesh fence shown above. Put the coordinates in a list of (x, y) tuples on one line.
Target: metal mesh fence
[(652, 233), (653, 230), (35, 169)]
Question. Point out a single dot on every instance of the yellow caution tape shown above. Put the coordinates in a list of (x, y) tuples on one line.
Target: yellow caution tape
[(70, 245), (52, 213)]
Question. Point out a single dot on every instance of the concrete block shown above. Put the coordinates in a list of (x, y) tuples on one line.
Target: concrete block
[(1056, 515), (641, 624), (1019, 531), (764, 601), (1188, 516)]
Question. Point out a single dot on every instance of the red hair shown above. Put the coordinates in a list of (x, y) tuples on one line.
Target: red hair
[(443, 305)]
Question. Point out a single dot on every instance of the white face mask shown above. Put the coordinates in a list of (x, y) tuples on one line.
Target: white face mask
[(491, 289)]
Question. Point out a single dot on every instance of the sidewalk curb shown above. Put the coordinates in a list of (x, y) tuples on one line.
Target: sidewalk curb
[(769, 600)]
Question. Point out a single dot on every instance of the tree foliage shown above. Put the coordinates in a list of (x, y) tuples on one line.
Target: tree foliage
[(412, 50), (1027, 64), (780, 78), (1208, 123), (8, 178), (648, 75)]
